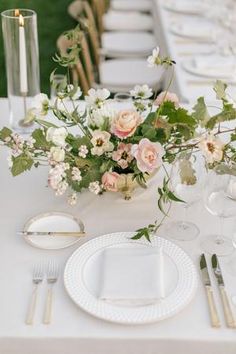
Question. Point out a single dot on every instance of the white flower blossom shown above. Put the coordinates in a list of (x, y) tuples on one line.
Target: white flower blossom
[(101, 142), (154, 59), (77, 94), (101, 116), (40, 104), (83, 151), (72, 199), (76, 174), (56, 177), (57, 154), (94, 187), (212, 148), (57, 136), (143, 92), (96, 98)]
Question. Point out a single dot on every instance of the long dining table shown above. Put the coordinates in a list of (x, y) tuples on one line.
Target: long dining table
[(72, 330)]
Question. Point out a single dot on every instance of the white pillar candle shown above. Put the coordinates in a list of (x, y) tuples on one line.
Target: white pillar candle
[(23, 61)]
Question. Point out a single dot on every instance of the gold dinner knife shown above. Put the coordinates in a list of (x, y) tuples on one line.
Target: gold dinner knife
[(52, 233), (229, 316), (215, 321)]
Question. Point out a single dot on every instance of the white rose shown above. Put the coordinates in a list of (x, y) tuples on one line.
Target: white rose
[(57, 154), (57, 136)]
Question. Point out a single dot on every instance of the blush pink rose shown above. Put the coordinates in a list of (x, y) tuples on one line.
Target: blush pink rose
[(109, 181), (125, 123), (167, 96), (148, 155)]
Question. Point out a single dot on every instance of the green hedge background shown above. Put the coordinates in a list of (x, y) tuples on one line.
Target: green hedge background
[(53, 19)]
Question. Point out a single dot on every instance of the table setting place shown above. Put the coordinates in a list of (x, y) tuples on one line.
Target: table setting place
[(202, 39), (118, 200)]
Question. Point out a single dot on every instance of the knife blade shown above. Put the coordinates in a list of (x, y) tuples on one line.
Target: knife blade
[(228, 313), (215, 321), (52, 233)]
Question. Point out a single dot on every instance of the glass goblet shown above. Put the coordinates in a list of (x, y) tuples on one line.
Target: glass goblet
[(220, 200), (187, 180)]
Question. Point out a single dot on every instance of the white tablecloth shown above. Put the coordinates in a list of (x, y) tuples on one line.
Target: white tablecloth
[(73, 331)]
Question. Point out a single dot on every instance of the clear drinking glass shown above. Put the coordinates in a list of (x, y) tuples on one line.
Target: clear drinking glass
[(220, 200), (187, 180), (22, 63)]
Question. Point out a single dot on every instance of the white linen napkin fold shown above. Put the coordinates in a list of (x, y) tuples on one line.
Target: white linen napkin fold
[(132, 276), (216, 63)]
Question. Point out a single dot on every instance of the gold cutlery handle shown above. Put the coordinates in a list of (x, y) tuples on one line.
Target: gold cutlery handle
[(229, 317), (31, 309), (48, 307), (215, 321)]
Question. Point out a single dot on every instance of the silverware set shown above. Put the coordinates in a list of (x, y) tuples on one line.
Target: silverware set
[(40, 271), (214, 315)]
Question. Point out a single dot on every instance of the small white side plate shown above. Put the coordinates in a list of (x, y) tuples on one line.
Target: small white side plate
[(53, 221)]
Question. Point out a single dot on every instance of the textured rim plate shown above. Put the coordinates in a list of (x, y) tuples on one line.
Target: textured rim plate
[(183, 31), (179, 298), (185, 7), (189, 67), (49, 222)]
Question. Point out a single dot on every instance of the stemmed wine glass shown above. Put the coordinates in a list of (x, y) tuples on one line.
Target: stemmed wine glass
[(187, 180), (220, 200)]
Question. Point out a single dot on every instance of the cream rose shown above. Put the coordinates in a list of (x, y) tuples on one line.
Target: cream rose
[(57, 154), (57, 136), (148, 155), (125, 123), (109, 181)]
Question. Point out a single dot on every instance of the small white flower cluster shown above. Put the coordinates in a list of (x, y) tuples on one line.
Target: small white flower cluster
[(72, 199), (101, 117), (83, 151), (76, 174), (56, 178), (95, 187), (18, 144)]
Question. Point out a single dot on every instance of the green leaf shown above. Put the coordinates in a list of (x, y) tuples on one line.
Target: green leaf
[(5, 133), (21, 164), (201, 113), (177, 115), (45, 123), (219, 89), (228, 113), (173, 197), (40, 140)]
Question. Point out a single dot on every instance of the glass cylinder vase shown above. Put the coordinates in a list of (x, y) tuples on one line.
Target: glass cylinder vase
[(22, 64)]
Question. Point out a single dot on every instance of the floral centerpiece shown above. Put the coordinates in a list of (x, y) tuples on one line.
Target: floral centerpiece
[(112, 150)]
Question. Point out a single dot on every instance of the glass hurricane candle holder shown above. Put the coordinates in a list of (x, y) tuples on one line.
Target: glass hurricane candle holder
[(22, 64)]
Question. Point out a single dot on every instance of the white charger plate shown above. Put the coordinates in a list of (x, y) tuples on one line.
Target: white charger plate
[(53, 221), (82, 279), (185, 7), (189, 66), (187, 31)]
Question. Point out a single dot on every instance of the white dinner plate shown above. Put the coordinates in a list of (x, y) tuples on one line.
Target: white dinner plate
[(53, 221), (189, 66), (194, 31), (185, 7), (82, 278)]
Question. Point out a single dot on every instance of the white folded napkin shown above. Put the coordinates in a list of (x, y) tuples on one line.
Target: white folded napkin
[(132, 276), (216, 63)]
